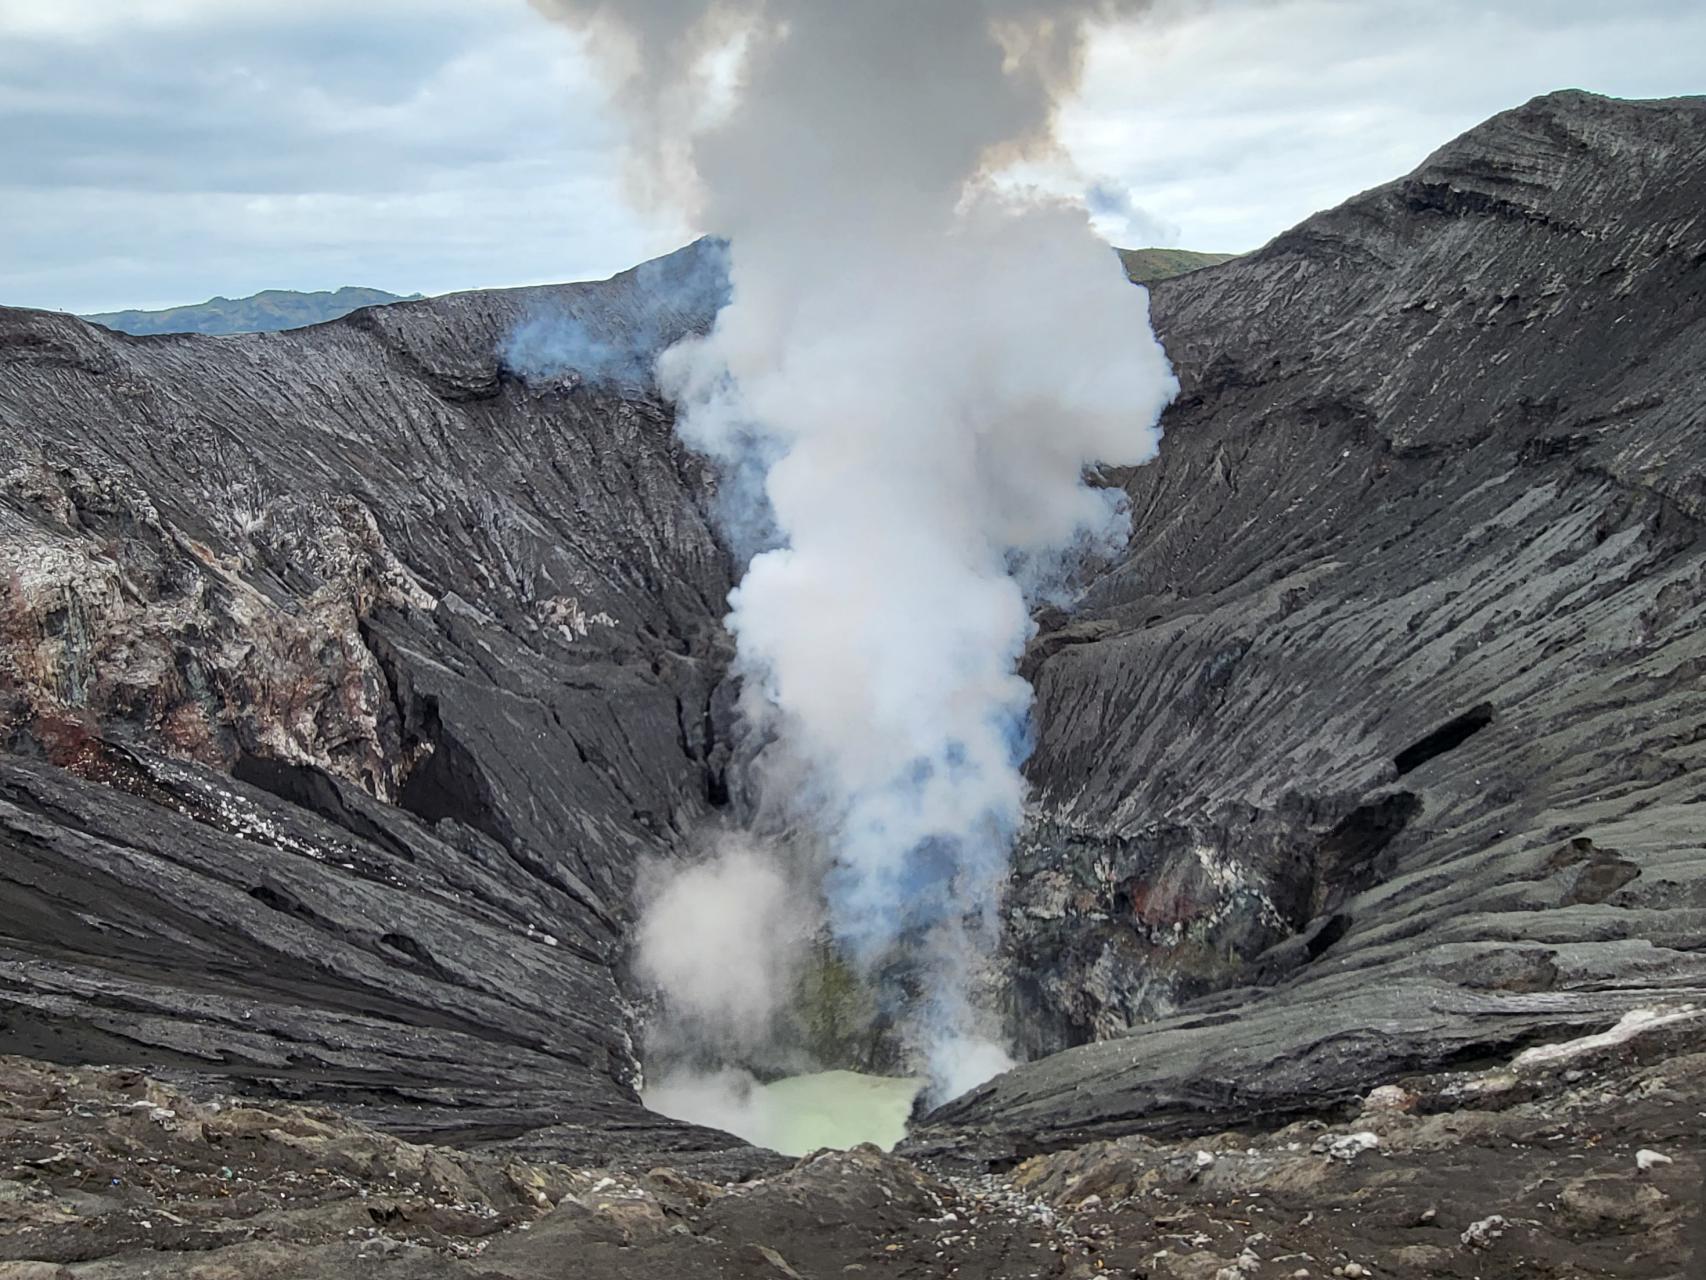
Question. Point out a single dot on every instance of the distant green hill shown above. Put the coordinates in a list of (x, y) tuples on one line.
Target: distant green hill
[(265, 312), (1146, 266)]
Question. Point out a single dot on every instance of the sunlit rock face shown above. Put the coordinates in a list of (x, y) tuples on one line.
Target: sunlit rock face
[(796, 1115)]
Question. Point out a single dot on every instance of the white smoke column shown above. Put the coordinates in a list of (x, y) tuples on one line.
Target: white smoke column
[(935, 363)]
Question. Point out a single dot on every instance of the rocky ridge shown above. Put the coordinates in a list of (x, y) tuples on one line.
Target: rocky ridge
[(347, 682), (1380, 750)]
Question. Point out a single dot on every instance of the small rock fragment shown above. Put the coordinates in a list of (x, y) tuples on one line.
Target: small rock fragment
[(1345, 1146), (777, 1261), (1480, 1235), (1389, 1098)]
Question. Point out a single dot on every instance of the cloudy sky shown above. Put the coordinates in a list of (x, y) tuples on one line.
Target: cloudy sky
[(155, 152)]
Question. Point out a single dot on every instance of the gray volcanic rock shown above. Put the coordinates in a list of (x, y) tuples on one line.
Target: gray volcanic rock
[(1387, 727), (457, 637), (1512, 1170)]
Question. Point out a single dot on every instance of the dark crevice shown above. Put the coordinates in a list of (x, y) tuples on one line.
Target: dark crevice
[(1496, 1051), (716, 788), (1448, 737), (423, 959), (311, 788), (1423, 197), (446, 781), (1335, 928), (408, 946), (1346, 859), (448, 784), (384, 660), (278, 900), (711, 760)]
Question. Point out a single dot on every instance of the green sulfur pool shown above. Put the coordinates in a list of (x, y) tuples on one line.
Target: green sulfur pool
[(838, 1109)]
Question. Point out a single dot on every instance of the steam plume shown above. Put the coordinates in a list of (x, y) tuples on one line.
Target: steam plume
[(925, 361), (725, 938)]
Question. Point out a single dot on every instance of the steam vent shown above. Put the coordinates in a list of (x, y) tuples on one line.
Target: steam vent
[(784, 763)]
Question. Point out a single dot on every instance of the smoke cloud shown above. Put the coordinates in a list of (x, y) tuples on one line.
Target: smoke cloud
[(725, 938), (614, 342), (918, 360), (1116, 215)]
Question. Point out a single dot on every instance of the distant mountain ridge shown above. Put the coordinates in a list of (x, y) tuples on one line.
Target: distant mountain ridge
[(266, 312), (273, 310)]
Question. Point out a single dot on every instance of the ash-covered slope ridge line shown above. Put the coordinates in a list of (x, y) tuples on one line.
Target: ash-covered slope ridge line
[(1380, 748), (912, 414)]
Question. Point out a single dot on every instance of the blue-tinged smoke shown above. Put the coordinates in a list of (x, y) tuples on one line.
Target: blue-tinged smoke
[(611, 337)]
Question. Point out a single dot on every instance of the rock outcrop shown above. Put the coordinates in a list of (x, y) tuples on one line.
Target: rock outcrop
[(347, 681)]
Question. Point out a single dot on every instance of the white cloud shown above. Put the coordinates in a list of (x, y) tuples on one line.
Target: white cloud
[(160, 151), (164, 152), (1236, 119)]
